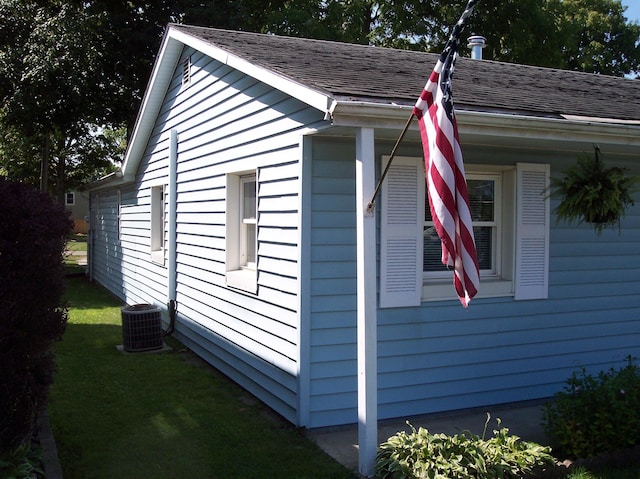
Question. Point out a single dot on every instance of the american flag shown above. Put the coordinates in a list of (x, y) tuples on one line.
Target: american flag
[(446, 183)]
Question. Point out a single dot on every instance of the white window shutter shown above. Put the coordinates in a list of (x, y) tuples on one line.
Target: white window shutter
[(532, 231), (401, 233)]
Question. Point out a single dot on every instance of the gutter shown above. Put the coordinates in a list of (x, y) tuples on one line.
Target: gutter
[(493, 124)]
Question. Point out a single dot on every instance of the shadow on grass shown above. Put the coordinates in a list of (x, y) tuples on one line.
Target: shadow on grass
[(165, 415)]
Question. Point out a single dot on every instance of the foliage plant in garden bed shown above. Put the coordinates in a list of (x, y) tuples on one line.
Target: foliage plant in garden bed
[(594, 414), (421, 454)]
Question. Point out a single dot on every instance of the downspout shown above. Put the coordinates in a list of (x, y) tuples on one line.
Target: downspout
[(90, 227), (172, 275)]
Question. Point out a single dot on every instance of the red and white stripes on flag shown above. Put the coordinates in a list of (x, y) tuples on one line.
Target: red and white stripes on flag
[(446, 183)]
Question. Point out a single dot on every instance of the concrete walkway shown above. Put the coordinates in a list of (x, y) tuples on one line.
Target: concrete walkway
[(522, 419)]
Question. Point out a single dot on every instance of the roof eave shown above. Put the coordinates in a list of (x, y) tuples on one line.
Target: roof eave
[(311, 96), (172, 44), (161, 76), (493, 124)]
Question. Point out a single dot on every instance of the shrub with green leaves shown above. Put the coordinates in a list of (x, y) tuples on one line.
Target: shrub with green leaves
[(33, 232), (596, 414), (421, 454), (23, 462)]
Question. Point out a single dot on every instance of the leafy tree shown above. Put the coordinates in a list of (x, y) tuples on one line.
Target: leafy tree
[(585, 35), (50, 69), (73, 162), (598, 37), (69, 67)]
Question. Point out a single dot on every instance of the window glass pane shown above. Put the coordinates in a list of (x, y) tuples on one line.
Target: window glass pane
[(249, 199), (432, 259), (251, 243), (481, 199), (484, 246), (482, 203), (433, 250)]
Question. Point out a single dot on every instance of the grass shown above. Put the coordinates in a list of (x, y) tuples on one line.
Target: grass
[(75, 249), (77, 242), (156, 416)]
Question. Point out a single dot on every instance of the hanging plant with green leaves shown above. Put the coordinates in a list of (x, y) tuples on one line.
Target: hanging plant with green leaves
[(594, 194)]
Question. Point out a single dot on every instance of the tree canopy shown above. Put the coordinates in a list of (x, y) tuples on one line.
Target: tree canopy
[(72, 73)]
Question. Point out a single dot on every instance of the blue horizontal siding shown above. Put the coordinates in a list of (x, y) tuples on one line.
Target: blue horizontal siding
[(227, 122), (440, 356)]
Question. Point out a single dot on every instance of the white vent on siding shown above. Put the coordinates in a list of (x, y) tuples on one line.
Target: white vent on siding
[(186, 71)]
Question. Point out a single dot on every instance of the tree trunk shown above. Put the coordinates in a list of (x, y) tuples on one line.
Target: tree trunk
[(44, 165), (60, 180)]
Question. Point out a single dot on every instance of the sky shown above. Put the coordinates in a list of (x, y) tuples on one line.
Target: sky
[(633, 9)]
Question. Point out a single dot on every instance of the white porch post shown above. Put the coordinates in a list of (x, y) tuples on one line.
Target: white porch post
[(367, 322)]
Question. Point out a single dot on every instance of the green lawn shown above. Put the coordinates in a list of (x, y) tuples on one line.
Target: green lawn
[(156, 416), (75, 250), (77, 243)]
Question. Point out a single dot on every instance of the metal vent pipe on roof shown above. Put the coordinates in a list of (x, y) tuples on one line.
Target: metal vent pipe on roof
[(476, 43)]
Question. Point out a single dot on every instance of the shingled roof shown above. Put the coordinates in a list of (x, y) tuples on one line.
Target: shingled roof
[(384, 75)]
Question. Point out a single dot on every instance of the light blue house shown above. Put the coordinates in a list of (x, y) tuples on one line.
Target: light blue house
[(243, 197)]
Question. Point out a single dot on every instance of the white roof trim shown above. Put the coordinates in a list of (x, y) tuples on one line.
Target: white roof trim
[(163, 69), (593, 119), (304, 93), (569, 129), (161, 76), (356, 114)]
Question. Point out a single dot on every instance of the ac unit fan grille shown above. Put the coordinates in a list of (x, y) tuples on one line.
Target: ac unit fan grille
[(141, 328)]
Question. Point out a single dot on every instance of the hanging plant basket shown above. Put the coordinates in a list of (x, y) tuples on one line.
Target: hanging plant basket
[(591, 193)]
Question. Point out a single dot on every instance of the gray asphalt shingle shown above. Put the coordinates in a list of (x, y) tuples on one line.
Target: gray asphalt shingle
[(383, 75)]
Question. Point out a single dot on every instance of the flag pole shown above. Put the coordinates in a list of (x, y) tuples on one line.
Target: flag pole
[(372, 204), (455, 34)]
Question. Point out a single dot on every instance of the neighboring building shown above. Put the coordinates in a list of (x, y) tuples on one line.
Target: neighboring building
[(240, 197), (77, 203)]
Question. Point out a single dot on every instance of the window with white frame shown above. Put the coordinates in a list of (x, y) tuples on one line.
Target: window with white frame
[(157, 223), (509, 209), (241, 231), (70, 199), (485, 201)]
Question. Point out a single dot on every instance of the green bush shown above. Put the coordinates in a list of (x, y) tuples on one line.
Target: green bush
[(21, 463), (33, 231), (596, 414), (421, 454)]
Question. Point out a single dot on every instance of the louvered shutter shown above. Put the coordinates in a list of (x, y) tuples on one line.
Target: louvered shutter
[(401, 235), (532, 231)]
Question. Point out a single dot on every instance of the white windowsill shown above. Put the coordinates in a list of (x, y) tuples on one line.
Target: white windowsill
[(244, 279), (440, 291), (157, 256)]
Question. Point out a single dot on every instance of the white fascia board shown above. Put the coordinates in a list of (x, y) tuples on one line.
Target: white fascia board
[(161, 76), (531, 127), (316, 99), (112, 180), (347, 112), (488, 124)]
